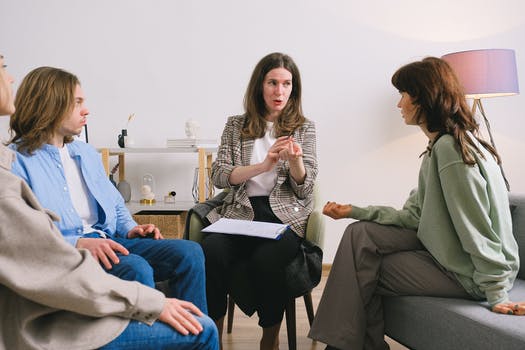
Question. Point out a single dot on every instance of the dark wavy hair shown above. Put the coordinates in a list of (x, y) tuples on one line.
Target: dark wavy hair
[(45, 97), (292, 115), (436, 91)]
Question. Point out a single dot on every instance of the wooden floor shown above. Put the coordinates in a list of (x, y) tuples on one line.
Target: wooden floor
[(246, 333)]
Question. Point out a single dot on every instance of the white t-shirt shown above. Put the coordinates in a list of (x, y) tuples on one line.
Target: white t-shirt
[(262, 184), (84, 203)]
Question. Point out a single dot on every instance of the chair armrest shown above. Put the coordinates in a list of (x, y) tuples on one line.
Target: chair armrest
[(194, 228), (517, 208), (315, 228), (194, 223)]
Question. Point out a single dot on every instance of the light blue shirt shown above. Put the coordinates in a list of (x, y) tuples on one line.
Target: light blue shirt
[(44, 173)]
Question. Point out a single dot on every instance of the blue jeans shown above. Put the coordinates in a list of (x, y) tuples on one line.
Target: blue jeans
[(160, 336), (180, 262)]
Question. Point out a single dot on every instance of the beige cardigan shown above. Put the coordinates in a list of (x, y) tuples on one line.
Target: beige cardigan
[(53, 296)]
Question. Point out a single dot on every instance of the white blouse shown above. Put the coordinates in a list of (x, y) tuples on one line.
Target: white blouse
[(262, 184)]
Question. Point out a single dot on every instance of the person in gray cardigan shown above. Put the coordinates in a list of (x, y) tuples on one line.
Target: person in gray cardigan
[(71, 302)]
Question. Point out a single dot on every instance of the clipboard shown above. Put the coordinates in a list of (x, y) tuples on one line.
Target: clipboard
[(247, 228)]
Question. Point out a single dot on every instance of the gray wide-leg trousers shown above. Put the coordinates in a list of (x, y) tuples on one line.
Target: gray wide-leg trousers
[(374, 260)]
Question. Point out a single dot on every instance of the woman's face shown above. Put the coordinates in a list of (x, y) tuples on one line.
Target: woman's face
[(408, 109), (7, 104), (277, 87)]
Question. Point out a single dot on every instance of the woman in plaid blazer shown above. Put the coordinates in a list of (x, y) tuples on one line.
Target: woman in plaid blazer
[(267, 159)]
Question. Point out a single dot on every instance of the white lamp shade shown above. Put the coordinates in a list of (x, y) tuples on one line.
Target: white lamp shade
[(485, 73)]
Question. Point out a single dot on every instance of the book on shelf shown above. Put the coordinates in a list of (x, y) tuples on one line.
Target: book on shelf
[(192, 143), (247, 228)]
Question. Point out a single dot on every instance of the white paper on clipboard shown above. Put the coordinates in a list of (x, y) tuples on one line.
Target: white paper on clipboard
[(247, 228)]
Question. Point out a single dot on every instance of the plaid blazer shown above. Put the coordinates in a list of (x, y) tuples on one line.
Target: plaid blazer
[(291, 203)]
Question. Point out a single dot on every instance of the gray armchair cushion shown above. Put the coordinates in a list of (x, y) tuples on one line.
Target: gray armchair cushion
[(431, 323), (445, 323)]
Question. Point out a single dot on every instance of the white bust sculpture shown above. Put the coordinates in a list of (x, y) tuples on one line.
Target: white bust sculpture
[(191, 128), (147, 193), (148, 187)]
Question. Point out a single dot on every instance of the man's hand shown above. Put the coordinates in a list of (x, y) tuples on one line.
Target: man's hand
[(337, 211), (147, 230), (510, 308), (179, 314), (103, 250)]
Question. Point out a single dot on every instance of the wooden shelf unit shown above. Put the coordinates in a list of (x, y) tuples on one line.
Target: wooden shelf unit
[(169, 217), (204, 155)]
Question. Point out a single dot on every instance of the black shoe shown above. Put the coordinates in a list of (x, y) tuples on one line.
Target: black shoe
[(328, 347)]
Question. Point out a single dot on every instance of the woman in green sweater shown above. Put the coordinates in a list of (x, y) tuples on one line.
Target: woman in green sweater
[(452, 238)]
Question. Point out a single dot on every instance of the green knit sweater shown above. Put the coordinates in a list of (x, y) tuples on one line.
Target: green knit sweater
[(462, 216)]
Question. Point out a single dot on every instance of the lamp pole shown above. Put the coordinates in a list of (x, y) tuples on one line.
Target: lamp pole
[(477, 104)]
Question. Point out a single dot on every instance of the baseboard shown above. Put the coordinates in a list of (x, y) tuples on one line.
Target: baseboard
[(326, 269)]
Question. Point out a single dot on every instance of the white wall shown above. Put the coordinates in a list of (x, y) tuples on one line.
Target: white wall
[(168, 60)]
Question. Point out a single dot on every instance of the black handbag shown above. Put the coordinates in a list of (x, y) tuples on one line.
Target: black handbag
[(304, 272)]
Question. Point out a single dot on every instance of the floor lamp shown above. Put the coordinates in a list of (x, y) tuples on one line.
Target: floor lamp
[(486, 73)]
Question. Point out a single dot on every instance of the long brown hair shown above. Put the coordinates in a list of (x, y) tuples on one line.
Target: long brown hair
[(292, 115), (45, 97), (436, 91)]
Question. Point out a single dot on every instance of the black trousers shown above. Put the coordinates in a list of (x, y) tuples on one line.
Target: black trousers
[(265, 259)]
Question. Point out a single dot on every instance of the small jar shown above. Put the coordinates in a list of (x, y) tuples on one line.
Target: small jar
[(170, 198)]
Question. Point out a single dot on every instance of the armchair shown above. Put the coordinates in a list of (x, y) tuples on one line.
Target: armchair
[(314, 233)]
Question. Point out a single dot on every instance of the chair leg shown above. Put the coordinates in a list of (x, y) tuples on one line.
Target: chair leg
[(231, 309), (290, 324), (309, 307), (291, 327)]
